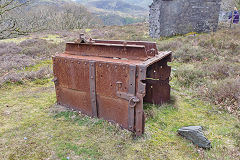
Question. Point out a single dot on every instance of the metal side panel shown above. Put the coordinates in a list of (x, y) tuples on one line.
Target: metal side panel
[(113, 110), (74, 99), (71, 77), (72, 73), (112, 78)]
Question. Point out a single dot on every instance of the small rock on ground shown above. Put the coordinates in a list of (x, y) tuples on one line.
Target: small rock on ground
[(195, 134)]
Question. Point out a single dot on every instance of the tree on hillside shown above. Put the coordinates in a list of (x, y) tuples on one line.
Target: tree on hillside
[(8, 24), (18, 18)]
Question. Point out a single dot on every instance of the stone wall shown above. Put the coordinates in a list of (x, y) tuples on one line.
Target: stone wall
[(172, 17)]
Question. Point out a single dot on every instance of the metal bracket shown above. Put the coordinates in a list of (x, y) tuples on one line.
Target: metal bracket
[(92, 81), (128, 97)]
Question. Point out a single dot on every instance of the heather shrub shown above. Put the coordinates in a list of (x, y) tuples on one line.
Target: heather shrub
[(169, 45), (188, 76), (16, 61), (44, 72), (221, 70), (29, 42), (20, 77), (187, 53), (40, 48), (9, 48), (225, 93)]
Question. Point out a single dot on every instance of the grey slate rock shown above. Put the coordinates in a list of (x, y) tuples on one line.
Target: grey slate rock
[(195, 134)]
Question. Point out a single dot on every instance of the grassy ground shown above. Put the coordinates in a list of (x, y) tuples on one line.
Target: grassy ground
[(32, 127), (30, 130)]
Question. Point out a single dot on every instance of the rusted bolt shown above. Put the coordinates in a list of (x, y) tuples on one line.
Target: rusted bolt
[(100, 65), (85, 63), (139, 130), (141, 70), (119, 84), (91, 77)]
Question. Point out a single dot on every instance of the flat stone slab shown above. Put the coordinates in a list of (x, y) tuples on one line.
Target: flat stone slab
[(195, 134)]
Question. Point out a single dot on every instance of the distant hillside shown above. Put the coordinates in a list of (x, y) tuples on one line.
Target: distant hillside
[(117, 12), (142, 3), (115, 5)]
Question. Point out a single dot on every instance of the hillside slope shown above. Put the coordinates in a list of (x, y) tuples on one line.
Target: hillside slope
[(115, 5), (142, 3)]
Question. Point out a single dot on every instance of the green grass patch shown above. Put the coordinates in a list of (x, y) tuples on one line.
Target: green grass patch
[(39, 65), (24, 113), (53, 38), (15, 40)]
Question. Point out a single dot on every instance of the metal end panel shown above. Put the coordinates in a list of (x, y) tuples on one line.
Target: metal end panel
[(158, 88)]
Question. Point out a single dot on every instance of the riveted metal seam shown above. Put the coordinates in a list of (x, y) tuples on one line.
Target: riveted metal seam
[(131, 91), (92, 82)]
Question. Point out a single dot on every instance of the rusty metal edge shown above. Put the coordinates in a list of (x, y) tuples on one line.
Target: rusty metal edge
[(139, 125), (157, 58), (92, 82), (124, 41), (106, 44)]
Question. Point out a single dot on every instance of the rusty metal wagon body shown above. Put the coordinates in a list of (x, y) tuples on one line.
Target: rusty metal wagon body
[(112, 80)]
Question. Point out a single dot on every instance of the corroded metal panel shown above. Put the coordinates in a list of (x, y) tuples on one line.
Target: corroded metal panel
[(110, 78)]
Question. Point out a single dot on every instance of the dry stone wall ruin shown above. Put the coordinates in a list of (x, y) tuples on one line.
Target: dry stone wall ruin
[(173, 17)]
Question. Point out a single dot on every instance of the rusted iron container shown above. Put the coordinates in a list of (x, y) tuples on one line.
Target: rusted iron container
[(112, 80)]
